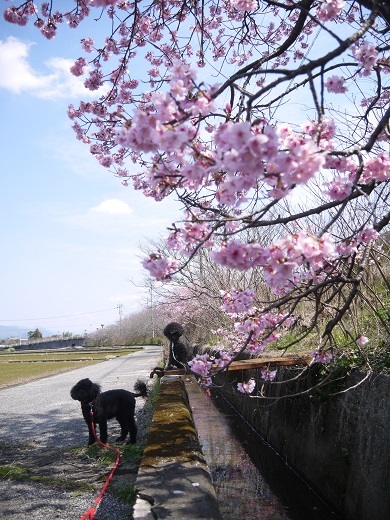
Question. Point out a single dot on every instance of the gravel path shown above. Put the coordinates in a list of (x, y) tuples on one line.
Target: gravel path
[(40, 423)]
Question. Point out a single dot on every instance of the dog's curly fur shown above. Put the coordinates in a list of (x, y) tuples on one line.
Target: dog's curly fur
[(107, 405), (180, 350)]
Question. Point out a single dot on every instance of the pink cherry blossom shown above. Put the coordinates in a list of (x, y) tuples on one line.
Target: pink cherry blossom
[(240, 256), (79, 67), (238, 301), (16, 16), (367, 235), (362, 340), (367, 56), (160, 267), (256, 347), (329, 9), (377, 168), (201, 364), (335, 84), (268, 375), (244, 5), (340, 188), (322, 357), (102, 3), (95, 80), (246, 387), (223, 359), (87, 44)]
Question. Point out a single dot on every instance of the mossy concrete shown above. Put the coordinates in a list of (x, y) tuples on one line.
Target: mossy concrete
[(173, 479)]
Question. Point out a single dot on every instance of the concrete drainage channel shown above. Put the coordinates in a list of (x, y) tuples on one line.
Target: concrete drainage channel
[(173, 479)]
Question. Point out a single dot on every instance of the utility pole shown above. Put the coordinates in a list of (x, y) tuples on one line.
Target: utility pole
[(152, 307), (120, 307)]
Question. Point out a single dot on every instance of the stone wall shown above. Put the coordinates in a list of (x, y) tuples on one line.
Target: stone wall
[(51, 344), (338, 443)]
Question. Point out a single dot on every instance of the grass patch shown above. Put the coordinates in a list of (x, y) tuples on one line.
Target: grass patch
[(101, 455), (132, 452), (10, 472), (24, 474), (129, 453), (20, 373), (127, 494)]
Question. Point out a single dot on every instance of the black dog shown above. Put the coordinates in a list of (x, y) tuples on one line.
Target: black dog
[(107, 405), (180, 350)]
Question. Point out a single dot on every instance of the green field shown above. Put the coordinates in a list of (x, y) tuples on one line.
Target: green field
[(20, 367)]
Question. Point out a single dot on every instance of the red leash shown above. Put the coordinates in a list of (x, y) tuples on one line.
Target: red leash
[(91, 512)]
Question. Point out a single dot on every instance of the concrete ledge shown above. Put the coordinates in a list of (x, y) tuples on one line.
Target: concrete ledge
[(174, 480)]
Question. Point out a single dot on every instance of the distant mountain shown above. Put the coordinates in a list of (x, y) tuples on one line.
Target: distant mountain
[(13, 331)]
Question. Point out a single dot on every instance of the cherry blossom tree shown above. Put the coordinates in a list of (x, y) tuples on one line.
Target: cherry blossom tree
[(255, 115)]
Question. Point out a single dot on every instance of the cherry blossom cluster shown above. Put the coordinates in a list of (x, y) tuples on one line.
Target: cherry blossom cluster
[(102, 3), (151, 130), (187, 238), (362, 340), (256, 152), (46, 20), (262, 322), (322, 357), (223, 359), (201, 364), (231, 151), (335, 84), (329, 9), (376, 169), (356, 244), (244, 156), (159, 266), (19, 16), (285, 263), (205, 364), (234, 338), (244, 5), (246, 387), (236, 302), (339, 188), (268, 375), (367, 56), (79, 66), (264, 328)]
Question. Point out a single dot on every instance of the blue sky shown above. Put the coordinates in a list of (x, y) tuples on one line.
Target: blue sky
[(70, 232)]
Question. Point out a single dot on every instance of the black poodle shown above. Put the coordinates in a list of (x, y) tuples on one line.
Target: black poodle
[(107, 405), (180, 350)]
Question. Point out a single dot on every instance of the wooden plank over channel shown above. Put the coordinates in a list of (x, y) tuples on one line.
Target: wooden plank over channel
[(281, 361), (249, 364)]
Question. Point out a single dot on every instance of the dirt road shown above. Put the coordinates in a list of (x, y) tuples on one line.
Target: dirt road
[(42, 431)]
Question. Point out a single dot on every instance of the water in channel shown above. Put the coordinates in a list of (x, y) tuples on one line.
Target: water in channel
[(251, 480)]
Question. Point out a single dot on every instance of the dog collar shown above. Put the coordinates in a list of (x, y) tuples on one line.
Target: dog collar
[(87, 403)]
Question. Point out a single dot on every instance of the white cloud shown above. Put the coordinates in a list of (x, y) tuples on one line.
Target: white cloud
[(112, 217), (18, 76), (112, 207), (131, 299)]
